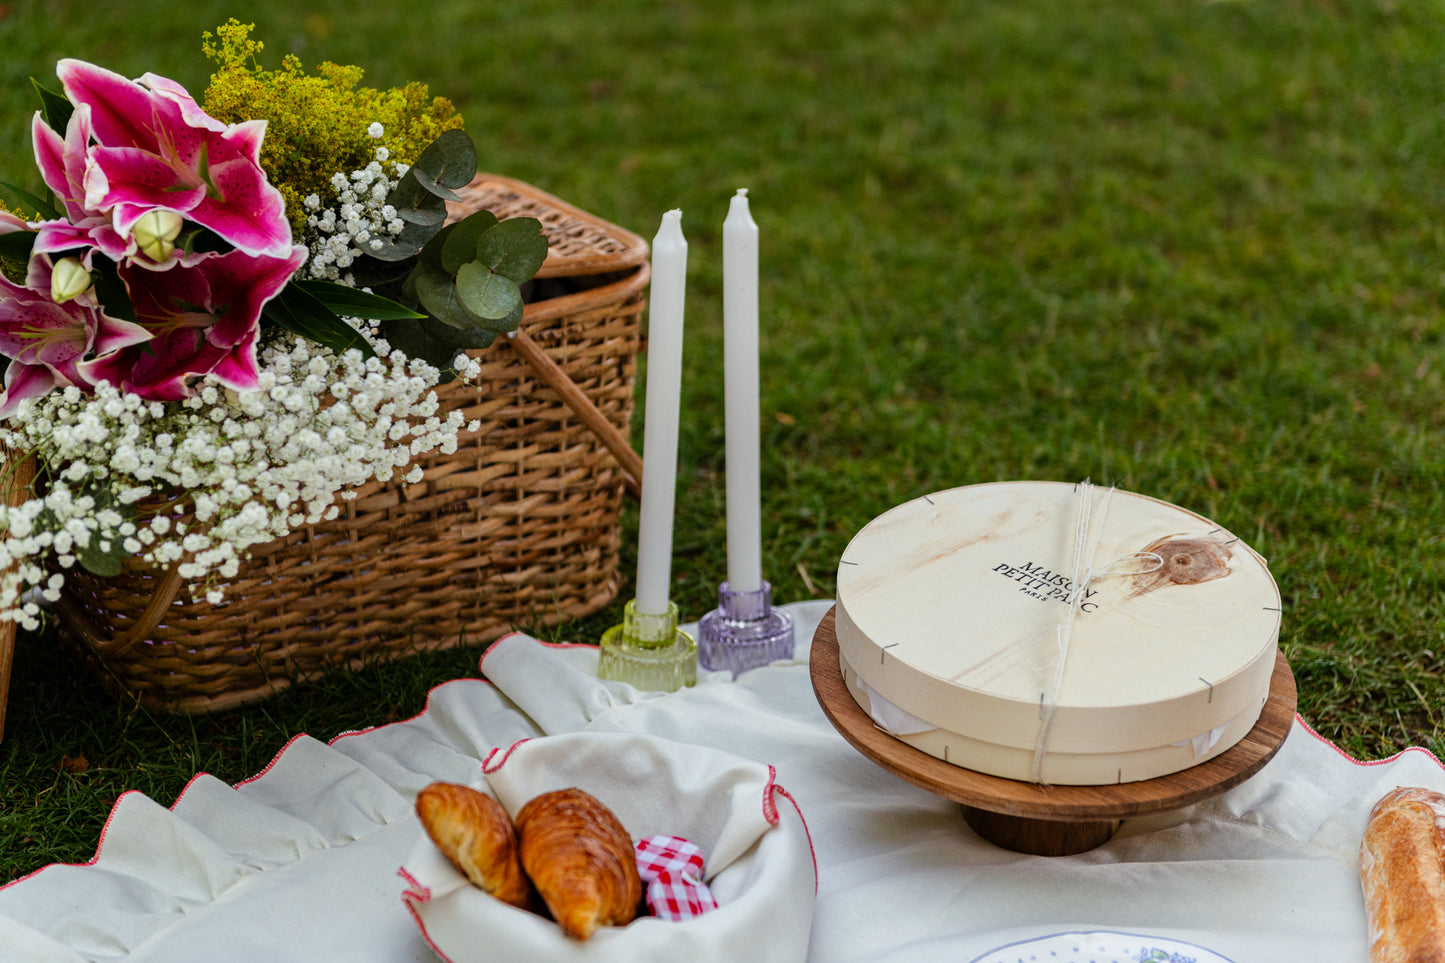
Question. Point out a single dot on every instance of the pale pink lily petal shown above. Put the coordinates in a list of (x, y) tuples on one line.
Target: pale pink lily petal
[(95, 232), (34, 330), (191, 111), (123, 113), (10, 223), (136, 181), (156, 147), (62, 159), (24, 381), (65, 169)]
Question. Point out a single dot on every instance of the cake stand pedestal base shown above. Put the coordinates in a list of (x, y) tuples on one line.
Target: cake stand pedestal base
[(1042, 820)]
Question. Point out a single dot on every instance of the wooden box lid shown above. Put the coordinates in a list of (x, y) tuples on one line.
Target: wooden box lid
[(951, 607)]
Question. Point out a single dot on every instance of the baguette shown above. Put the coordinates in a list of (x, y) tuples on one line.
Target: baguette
[(1402, 873)]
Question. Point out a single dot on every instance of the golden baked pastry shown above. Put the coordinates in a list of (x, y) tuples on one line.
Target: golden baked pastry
[(1402, 873), (475, 833), (581, 861)]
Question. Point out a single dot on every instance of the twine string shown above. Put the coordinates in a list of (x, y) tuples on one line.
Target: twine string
[(1082, 575)]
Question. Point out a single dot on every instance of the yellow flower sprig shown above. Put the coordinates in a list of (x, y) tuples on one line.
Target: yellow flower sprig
[(316, 124)]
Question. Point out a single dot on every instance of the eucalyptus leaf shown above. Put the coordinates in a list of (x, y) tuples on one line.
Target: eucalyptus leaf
[(515, 248), (381, 275), (97, 562), (461, 242), (437, 344), (449, 162), (419, 226), (485, 293), (408, 194), (351, 302), (104, 561), (54, 107), (437, 292)]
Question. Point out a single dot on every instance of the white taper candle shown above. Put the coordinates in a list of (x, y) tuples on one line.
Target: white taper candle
[(659, 432), (740, 366)]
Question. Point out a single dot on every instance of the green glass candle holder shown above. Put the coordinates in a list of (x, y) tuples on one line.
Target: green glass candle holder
[(648, 651)]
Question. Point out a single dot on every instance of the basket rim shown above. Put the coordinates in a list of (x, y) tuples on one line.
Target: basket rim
[(634, 248)]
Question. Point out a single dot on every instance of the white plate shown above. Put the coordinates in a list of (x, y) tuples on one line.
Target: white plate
[(1101, 947)]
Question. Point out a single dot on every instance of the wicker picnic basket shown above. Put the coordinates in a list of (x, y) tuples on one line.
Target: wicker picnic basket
[(518, 528)]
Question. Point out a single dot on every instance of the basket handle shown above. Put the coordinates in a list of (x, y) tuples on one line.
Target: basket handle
[(576, 399), (150, 617)]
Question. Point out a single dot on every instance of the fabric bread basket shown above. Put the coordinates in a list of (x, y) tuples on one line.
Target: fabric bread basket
[(758, 856)]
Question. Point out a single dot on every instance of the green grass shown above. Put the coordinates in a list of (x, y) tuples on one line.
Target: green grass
[(1191, 249)]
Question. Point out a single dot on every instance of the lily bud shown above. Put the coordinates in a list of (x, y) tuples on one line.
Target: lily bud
[(68, 279), (156, 232)]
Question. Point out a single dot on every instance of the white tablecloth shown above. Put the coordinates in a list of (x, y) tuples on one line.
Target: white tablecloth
[(300, 862)]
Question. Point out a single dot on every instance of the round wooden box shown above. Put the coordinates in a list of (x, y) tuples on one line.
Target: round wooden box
[(1056, 633)]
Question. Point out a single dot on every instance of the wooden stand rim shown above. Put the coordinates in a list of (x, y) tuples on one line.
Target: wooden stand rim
[(1068, 804)]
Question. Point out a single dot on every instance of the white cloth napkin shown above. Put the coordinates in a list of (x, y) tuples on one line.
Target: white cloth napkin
[(300, 863)]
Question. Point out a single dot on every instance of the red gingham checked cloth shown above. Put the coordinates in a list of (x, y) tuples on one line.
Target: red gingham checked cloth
[(671, 868)]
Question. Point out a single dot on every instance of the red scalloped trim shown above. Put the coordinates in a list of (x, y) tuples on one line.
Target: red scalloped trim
[(1365, 762), (550, 645), (489, 767), (774, 788)]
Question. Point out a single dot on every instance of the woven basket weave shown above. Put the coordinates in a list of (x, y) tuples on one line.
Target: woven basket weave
[(520, 527)]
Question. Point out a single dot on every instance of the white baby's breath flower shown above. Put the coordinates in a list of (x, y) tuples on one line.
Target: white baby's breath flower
[(248, 465)]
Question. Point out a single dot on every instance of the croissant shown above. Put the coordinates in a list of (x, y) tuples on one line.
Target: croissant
[(581, 860), (475, 833)]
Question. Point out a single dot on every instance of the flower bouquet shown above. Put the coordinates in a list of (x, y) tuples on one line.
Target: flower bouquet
[(267, 392)]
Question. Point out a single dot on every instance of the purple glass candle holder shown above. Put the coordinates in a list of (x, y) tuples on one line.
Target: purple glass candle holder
[(744, 631)]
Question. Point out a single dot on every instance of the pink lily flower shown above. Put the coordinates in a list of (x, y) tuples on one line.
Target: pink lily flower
[(154, 147), (62, 162), (203, 318), (48, 343)]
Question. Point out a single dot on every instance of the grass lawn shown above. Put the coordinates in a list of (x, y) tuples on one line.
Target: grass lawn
[(1191, 249)]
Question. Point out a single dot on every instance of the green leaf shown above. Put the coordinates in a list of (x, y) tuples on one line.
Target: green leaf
[(300, 312), (461, 241), (449, 162), (17, 245), (348, 302), (104, 564), (485, 293), (515, 248), (437, 292), (45, 208), (419, 226), (54, 107), (437, 344), (382, 276)]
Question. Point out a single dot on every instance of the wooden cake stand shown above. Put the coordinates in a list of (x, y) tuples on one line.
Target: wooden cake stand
[(1047, 820)]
